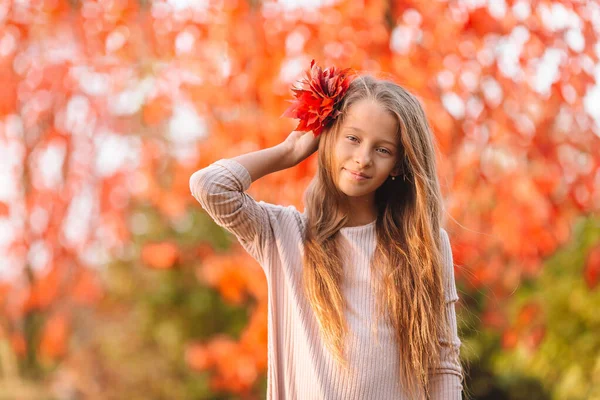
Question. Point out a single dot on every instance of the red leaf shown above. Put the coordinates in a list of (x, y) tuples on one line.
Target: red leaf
[(591, 272), (160, 255), (4, 209), (317, 98)]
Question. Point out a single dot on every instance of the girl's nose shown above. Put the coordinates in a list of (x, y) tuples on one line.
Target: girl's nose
[(363, 157)]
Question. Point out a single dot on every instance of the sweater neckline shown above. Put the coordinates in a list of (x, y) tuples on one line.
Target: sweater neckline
[(358, 227)]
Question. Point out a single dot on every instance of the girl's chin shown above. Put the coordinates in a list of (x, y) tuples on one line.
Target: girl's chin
[(352, 192)]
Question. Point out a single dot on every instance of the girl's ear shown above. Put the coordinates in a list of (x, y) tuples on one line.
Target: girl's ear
[(397, 169)]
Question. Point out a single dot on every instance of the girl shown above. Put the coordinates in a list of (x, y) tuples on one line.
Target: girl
[(361, 285)]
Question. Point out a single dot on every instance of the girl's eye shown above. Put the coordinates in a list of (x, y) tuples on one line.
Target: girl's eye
[(352, 138)]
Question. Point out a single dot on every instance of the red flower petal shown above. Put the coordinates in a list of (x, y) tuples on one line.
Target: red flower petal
[(318, 96)]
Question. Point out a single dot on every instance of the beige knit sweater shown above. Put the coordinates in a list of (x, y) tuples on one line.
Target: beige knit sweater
[(299, 365)]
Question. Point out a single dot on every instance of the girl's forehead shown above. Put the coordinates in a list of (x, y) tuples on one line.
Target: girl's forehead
[(371, 118)]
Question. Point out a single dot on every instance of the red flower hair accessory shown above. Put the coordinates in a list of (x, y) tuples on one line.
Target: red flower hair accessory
[(318, 98)]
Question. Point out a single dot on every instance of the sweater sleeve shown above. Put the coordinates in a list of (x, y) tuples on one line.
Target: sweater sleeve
[(220, 190), (446, 382)]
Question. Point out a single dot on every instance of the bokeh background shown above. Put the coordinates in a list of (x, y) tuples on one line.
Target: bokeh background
[(114, 284)]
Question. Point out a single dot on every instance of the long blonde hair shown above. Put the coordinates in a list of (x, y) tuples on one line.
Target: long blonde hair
[(408, 259)]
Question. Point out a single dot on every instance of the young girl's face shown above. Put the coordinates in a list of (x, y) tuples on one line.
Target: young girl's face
[(366, 144)]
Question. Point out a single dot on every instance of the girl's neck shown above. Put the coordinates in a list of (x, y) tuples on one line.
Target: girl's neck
[(362, 211)]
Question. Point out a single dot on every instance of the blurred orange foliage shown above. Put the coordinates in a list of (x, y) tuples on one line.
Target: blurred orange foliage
[(160, 255), (104, 104)]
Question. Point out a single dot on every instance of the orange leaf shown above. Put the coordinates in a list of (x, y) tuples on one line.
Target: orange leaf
[(54, 336), (4, 209), (86, 289), (592, 268), (198, 357), (509, 339), (160, 255), (157, 110), (18, 343), (527, 314)]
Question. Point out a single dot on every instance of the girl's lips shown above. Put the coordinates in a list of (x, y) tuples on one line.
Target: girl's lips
[(356, 176)]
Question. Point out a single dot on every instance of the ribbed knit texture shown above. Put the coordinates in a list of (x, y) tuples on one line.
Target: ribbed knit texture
[(299, 364)]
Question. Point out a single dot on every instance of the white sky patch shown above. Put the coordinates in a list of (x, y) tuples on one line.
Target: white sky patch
[(170, 80), (11, 267), (7, 179), (412, 17), (79, 118), (116, 39), (454, 104), (592, 99), (38, 219), (95, 255), (181, 5), (403, 37), (115, 152), (6, 234), (225, 65), (445, 79), (492, 91), (62, 47), (292, 68), (470, 80), (558, 17), (184, 42), (289, 5), (547, 72), (494, 158), (50, 165), (10, 156), (294, 42), (13, 127), (4, 7), (90, 82), (184, 129), (575, 40), (521, 10), (8, 43), (508, 50), (471, 4), (130, 100), (497, 8), (186, 126), (79, 217), (334, 49), (39, 255), (474, 107)]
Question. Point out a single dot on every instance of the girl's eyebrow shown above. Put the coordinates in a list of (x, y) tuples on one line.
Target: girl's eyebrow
[(382, 140)]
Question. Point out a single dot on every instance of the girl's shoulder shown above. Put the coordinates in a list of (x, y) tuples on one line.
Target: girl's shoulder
[(284, 218), (444, 234)]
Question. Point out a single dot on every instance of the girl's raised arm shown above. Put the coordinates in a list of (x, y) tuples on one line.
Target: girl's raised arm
[(296, 147), (220, 188)]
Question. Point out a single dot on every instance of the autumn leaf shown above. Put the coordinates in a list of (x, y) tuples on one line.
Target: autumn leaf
[(318, 97), (510, 339), (591, 272), (157, 110), (54, 336), (87, 289), (160, 255), (4, 209), (198, 357)]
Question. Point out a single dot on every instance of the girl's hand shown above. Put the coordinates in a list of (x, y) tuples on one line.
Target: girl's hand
[(301, 145)]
